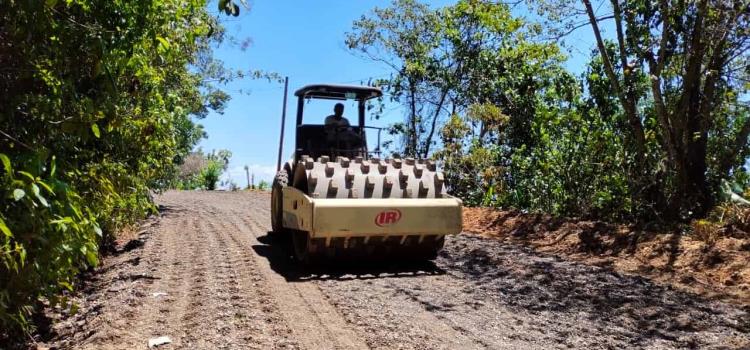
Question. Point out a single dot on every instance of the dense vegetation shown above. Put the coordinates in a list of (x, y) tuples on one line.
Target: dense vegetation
[(96, 101), (651, 129)]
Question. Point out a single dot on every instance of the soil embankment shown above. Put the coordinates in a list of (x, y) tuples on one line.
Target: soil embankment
[(719, 269)]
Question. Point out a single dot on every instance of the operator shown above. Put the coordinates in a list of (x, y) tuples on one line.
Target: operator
[(339, 131), (337, 118)]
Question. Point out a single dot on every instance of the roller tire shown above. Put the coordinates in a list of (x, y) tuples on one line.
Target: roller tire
[(280, 181)]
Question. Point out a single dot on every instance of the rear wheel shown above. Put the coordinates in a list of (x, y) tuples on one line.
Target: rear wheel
[(280, 181)]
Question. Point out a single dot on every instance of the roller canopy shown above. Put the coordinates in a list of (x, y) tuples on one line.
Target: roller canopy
[(338, 92)]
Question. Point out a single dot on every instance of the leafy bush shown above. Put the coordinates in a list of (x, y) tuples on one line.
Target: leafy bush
[(96, 99), (40, 204), (263, 185), (209, 175)]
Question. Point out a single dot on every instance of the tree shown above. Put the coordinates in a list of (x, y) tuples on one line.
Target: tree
[(403, 37), (470, 70), (679, 70), (446, 60), (263, 185)]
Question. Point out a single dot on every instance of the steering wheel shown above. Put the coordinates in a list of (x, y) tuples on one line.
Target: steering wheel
[(343, 136)]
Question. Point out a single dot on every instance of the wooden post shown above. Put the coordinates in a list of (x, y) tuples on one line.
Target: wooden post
[(247, 175), (283, 119)]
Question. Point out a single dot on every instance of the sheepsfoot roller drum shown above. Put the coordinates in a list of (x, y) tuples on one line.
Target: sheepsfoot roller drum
[(336, 203), (374, 208)]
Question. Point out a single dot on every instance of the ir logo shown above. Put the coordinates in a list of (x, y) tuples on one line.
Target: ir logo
[(387, 217)]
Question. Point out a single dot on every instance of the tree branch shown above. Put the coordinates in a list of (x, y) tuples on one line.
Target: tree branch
[(603, 51), (579, 26), (621, 40), (16, 140), (691, 76), (656, 65), (716, 64), (739, 143), (630, 112), (434, 122)]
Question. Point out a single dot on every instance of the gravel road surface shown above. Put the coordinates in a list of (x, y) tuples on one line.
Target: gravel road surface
[(204, 275)]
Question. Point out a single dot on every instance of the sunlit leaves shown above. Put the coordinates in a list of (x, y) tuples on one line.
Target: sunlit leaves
[(18, 194), (95, 130), (4, 229), (6, 164)]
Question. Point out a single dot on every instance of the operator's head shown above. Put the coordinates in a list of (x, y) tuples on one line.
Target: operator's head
[(338, 109)]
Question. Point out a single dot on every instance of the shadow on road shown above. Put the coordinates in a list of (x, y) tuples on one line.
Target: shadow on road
[(339, 269), (623, 307)]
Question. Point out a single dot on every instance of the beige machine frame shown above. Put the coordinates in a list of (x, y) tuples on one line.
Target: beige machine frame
[(336, 217)]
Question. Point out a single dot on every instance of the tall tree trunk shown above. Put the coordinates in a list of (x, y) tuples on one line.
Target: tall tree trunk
[(412, 139), (694, 191), (438, 108), (628, 104)]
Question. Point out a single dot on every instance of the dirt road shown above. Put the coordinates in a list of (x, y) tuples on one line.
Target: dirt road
[(203, 275)]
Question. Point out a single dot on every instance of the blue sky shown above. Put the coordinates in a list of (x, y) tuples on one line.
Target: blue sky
[(305, 41)]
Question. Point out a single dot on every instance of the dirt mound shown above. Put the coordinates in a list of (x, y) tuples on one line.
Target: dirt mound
[(716, 269)]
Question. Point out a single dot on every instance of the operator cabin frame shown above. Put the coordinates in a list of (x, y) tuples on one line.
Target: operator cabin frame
[(303, 132)]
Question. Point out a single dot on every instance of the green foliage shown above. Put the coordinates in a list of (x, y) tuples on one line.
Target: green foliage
[(648, 132), (209, 175), (446, 60), (96, 101), (515, 130), (42, 205), (263, 185), (675, 76), (202, 171), (404, 37)]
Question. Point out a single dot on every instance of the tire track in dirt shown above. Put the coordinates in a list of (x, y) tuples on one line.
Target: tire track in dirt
[(218, 299), (157, 313), (178, 286), (123, 326), (247, 283), (197, 327), (171, 259), (262, 301), (313, 320), (394, 316)]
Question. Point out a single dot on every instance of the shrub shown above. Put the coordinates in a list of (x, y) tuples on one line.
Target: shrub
[(210, 174), (263, 185)]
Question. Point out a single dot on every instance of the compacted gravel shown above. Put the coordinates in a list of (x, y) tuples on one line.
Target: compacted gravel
[(204, 275)]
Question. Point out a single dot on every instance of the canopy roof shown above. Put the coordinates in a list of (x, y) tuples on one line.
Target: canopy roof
[(338, 92)]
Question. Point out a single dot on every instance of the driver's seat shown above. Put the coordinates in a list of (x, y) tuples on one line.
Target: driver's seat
[(313, 140), (345, 143)]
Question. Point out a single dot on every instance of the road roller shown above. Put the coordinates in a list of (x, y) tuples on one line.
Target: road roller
[(336, 197)]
